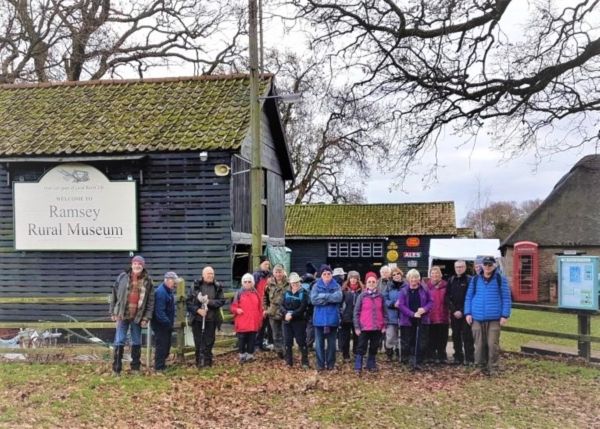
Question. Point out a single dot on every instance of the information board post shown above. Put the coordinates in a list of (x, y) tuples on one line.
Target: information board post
[(584, 324)]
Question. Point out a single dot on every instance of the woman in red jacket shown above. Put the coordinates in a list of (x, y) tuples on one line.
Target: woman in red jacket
[(247, 317)]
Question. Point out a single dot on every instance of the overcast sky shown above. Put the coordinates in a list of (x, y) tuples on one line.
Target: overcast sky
[(462, 170)]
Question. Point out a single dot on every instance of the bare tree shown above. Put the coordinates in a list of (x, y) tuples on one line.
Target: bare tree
[(45, 40), (498, 219), (451, 66), (330, 139)]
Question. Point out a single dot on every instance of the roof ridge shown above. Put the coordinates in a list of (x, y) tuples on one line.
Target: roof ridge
[(107, 82), (367, 204)]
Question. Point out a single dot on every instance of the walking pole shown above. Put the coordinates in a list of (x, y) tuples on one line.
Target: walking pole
[(417, 340)]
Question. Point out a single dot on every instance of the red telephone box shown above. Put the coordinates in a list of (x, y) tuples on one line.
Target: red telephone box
[(525, 271)]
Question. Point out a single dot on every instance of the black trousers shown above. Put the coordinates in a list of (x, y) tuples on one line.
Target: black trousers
[(295, 330), (413, 340), (368, 343), (204, 341), (462, 336), (162, 338), (438, 340), (345, 334), (246, 342)]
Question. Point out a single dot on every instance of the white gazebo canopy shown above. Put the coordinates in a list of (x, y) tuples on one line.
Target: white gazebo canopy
[(462, 248)]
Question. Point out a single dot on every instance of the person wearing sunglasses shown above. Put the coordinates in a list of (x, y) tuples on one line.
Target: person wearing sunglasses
[(487, 308)]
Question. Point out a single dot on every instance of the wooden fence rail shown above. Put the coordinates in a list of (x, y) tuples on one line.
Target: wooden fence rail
[(584, 323)]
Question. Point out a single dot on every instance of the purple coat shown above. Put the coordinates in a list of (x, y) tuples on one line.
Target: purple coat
[(370, 313), (406, 313)]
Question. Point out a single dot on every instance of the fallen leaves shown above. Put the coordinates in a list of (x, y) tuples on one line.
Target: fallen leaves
[(266, 394)]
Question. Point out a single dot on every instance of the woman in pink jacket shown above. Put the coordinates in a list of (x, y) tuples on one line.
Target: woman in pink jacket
[(370, 320), (439, 317)]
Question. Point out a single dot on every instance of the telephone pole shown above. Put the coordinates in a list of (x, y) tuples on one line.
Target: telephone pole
[(256, 168)]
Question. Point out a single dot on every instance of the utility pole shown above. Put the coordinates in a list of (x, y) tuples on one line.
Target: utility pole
[(256, 169)]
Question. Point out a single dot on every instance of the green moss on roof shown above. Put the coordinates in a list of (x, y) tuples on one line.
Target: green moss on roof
[(368, 220), (154, 115)]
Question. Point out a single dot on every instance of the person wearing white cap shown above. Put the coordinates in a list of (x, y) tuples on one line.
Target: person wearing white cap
[(164, 318)]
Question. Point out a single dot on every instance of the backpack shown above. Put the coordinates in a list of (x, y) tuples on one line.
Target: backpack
[(498, 280)]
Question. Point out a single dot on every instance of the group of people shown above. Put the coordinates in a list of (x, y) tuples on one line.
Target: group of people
[(409, 316), (135, 304), (327, 309)]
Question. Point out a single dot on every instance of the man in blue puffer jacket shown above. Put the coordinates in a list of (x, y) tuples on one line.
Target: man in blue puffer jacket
[(326, 297), (487, 308)]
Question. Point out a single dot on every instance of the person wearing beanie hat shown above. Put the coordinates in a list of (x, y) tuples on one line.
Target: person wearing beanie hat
[(351, 289), (246, 309), (293, 311), (323, 268), (131, 307), (164, 318), (370, 320), (326, 297)]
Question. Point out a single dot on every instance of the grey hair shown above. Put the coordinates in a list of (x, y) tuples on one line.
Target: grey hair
[(413, 274), (385, 268)]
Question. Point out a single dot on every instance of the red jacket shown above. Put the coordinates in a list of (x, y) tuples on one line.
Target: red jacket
[(251, 318), (439, 314)]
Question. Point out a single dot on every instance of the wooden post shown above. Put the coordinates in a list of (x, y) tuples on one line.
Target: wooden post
[(584, 348), (180, 315)]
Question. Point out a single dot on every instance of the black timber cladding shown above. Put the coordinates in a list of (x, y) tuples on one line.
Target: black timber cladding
[(316, 251), (184, 220)]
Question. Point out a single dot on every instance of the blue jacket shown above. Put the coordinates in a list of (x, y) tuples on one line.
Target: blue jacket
[(391, 296), (488, 301), (164, 306), (326, 300)]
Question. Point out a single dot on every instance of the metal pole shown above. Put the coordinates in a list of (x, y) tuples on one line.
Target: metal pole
[(256, 169)]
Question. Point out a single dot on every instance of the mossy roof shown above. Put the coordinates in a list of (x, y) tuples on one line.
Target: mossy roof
[(124, 116), (370, 220)]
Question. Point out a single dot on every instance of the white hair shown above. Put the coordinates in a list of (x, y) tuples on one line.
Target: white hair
[(385, 268)]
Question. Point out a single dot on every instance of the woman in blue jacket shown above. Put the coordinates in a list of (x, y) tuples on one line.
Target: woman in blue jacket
[(326, 297)]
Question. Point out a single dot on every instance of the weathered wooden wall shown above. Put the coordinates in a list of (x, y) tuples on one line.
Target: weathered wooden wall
[(184, 224)]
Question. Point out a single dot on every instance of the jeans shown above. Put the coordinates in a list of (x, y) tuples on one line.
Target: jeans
[(325, 353), (123, 326), (162, 337), (462, 336), (486, 336)]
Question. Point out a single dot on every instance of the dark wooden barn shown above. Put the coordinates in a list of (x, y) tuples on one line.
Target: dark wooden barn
[(183, 141), (364, 237)]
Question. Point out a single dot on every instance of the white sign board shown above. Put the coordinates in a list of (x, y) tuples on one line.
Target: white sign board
[(75, 207), (578, 282)]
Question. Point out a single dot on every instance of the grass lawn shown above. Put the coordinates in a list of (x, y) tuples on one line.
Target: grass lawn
[(554, 322), (529, 393)]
